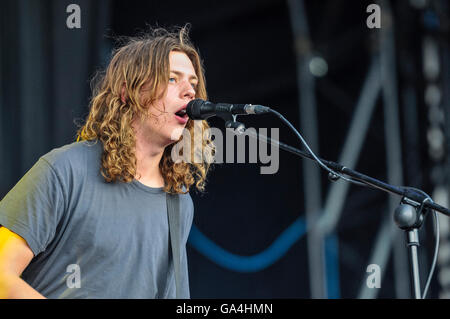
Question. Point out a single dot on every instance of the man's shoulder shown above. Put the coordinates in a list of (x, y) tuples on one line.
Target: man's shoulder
[(73, 155)]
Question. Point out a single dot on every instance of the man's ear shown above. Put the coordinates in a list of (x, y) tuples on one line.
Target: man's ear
[(123, 95)]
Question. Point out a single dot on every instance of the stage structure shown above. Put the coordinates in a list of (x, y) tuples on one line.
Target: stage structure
[(381, 85)]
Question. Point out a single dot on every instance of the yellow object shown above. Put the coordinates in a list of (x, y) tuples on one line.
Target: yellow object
[(6, 234)]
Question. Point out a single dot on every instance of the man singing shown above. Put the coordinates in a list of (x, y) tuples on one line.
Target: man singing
[(91, 219)]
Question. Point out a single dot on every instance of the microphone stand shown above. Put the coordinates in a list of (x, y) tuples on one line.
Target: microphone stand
[(409, 215)]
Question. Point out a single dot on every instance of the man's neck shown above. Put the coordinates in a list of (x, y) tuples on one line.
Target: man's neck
[(148, 157)]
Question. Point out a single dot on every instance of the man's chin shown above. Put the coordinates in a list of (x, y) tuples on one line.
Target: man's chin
[(176, 134)]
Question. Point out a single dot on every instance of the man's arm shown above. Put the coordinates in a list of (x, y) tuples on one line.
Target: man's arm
[(15, 255)]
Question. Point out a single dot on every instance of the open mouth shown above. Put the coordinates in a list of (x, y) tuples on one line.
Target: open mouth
[(181, 113)]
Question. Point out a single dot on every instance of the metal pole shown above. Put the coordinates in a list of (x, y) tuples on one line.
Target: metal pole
[(392, 136), (308, 123), (354, 141), (413, 243)]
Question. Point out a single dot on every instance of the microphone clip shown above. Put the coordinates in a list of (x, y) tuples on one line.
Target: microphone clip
[(230, 122)]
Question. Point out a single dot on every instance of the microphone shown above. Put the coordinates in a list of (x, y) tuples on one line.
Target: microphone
[(199, 109)]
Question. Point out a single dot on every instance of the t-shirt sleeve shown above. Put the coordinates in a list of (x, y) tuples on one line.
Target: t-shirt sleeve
[(34, 206)]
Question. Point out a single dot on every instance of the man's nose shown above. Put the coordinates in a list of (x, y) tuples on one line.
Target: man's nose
[(188, 90)]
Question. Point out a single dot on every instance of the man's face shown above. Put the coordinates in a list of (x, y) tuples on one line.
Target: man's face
[(165, 123)]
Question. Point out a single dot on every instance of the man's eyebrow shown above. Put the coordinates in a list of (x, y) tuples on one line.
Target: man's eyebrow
[(192, 77)]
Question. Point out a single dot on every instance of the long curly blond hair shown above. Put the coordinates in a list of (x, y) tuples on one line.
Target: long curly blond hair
[(144, 60)]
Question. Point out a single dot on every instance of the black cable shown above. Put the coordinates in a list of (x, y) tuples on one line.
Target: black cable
[(296, 151), (436, 250), (350, 180)]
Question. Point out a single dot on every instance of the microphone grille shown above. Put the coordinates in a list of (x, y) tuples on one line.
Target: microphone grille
[(193, 109)]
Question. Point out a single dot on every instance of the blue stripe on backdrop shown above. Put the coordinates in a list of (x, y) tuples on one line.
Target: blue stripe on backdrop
[(270, 255), (332, 266)]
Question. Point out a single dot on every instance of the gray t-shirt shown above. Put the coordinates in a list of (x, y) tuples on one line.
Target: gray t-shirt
[(93, 239)]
